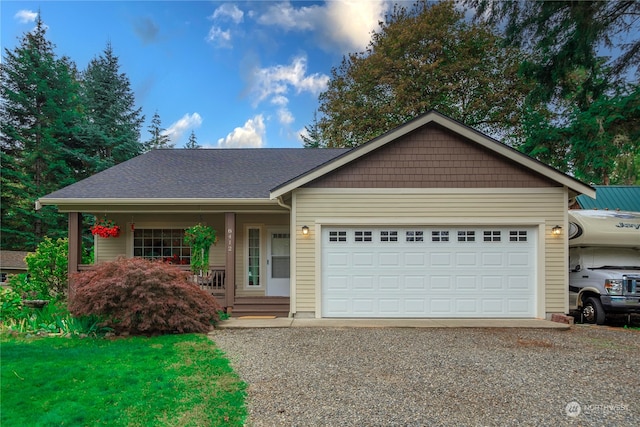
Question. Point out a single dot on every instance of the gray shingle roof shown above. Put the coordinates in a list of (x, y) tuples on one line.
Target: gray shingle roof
[(202, 173)]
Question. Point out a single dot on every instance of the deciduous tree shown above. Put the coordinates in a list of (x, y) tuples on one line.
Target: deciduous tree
[(422, 58)]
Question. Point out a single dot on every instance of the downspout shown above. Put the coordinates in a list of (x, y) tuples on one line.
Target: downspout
[(291, 225), (282, 203)]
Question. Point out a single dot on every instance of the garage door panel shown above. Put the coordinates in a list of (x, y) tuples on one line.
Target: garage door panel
[(440, 283), (466, 259), (493, 306), (414, 259), (337, 259), (441, 259), (466, 306), (388, 258), (363, 282), (363, 259), (364, 306), (493, 284), (333, 283), (466, 283), (389, 283), (417, 283), (429, 272)]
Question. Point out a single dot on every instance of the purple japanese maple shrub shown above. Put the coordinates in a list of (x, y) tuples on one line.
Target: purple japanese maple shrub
[(142, 297)]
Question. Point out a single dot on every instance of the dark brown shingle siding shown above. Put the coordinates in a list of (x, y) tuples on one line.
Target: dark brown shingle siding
[(432, 157)]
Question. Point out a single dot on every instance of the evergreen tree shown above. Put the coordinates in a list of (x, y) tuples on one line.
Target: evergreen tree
[(313, 136), (591, 125), (111, 130), (192, 144), (158, 138), (39, 123)]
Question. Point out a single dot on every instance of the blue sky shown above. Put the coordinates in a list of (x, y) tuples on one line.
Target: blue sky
[(239, 74)]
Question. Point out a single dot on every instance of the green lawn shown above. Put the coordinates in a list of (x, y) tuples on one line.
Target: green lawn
[(171, 380)]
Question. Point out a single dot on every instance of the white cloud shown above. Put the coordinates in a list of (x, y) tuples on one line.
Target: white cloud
[(251, 135), (25, 16), (219, 37), (285, 117), (180, 127), (345, 24), (302, 133), (286, 16), (228, 10), (276, 81), (279, 100), (349, 23)]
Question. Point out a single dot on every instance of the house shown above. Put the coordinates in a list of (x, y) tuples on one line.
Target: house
[(432, 219), (611, 197), (12, 262)]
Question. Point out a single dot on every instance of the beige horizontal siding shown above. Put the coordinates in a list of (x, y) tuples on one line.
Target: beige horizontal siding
[(546, 206)]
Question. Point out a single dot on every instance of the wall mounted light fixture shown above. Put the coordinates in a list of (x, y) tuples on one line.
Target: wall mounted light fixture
[(557, 230), (305, 230)]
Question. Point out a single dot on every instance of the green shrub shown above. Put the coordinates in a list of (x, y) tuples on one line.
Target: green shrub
[(141, 297), (11, 304), (28, 289), (47, 268), (53, 318)]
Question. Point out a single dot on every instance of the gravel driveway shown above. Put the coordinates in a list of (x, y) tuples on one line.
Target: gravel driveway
[(431, 377)]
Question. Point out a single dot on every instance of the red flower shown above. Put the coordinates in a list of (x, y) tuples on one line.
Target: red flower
[(105, 228)]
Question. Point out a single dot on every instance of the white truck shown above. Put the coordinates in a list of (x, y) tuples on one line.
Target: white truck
[(604, 264)]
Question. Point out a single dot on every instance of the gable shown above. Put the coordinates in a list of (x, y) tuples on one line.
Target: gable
[(432, 157)]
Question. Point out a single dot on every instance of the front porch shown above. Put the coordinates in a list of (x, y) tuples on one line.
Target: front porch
[(228, 282)]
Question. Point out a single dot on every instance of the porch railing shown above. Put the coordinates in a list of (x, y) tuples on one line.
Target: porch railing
[(213, 282)]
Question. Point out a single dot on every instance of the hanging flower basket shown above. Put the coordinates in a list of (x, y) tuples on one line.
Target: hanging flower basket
[(200, 238), (105, 228)]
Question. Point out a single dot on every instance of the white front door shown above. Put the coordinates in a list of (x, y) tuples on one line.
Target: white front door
[(278, 265)]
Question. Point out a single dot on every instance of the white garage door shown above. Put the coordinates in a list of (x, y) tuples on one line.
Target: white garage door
[(429, 272)]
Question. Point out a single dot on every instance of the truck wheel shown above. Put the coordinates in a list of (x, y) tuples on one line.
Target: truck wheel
[(592, 311)]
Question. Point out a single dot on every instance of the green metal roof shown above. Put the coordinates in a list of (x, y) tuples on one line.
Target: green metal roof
[(613, 197)]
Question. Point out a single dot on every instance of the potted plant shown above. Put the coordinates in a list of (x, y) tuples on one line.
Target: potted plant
[(200, 238), (105, 228)]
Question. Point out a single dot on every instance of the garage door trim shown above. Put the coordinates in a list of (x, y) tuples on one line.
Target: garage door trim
[(321, 223)]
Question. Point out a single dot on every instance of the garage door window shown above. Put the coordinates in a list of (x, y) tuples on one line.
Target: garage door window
[(337, 236), (415, 236), (388, 236), (466, 236), (518, 236), (363, 236), (439, 236), (491, 236)]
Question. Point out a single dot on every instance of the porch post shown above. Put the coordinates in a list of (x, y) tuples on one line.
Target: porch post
[(75, 246), (230, 258)]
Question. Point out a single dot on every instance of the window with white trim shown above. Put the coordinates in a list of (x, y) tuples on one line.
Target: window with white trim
[(337, 236), (439, 236), (165, 244), (388, 236), (466, 236), (517, 236), (253, 257), (492, 236), (363, 236), (414, 236)]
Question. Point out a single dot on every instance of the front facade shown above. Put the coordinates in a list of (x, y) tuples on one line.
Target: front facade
[(429, 220)]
